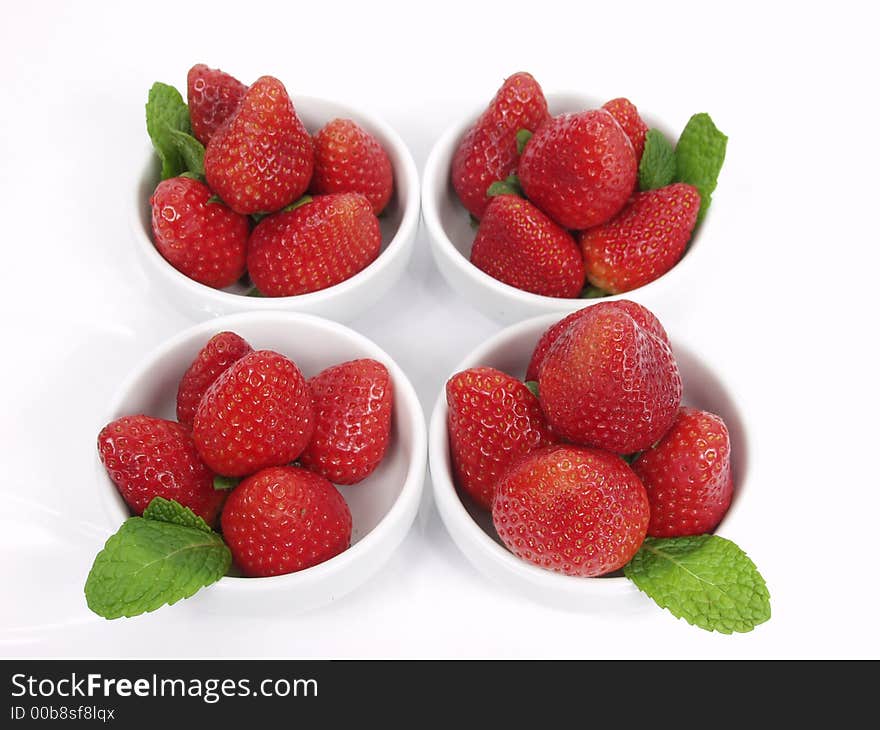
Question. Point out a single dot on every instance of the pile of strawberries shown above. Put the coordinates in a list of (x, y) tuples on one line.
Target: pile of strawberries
[(577, 475), (260, 447), (558, 199), (247, 190)]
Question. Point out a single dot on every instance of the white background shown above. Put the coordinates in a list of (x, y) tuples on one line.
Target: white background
[(787, 313)]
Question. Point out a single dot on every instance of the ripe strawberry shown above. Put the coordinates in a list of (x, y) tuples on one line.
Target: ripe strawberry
[(579, 168), (627, 116), (205, 241), (149, 457), (313, 246), (222, 350), (353, 406), (571, 509), (212, 96), (642, 242), (258, 413), (284, 519), (488, 152), (609, 382), (261, 158), (687, 475), (519, 245), (350, 160), (493, 420), (643, 317)]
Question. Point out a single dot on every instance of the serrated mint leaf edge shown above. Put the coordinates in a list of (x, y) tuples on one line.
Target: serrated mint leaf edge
[(184, 516), (649, 545), (166, 110), (657, 168), (126, 607), (705, 184)]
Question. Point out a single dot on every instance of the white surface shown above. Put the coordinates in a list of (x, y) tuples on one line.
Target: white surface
[(382, 506), (448, 228), (342, 302), (471, 526), (786, 309)]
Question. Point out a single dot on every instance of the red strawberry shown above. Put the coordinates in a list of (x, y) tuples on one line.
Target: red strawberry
[(519, 245), (609, 382), (687, 475), (571, 509), (353, 406), (493, 420), (643, 317), (488, 153), (261, 158), (579, 168), (284, 519), (149, 457), (212, 96), (258, 413), (222, 350), (642, 242), (205, 241), (313, 246), (627, 116), (350, 160)]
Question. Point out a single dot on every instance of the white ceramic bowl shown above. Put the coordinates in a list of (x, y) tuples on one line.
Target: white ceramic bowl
[(452, 236), (471, 527), (341, 302), (383, 506)]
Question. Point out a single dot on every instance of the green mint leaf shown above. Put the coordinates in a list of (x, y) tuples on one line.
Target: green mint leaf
[(193, 176), (593, 292), (657, 166), (522, 139), (699, 155), (167, 111), (222, 483), (149, 563), (509, 186), (167, 510), (706, 580), (532, 385), (192, 152)]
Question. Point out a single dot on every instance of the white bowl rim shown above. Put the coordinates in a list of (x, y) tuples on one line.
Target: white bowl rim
[(441, 155), (451, 507), (405, 230), (410, 493)]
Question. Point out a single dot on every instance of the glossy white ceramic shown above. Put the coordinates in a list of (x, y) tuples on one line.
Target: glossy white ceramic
[(382, 506), (471, 527), (451, 236), (341, 302)]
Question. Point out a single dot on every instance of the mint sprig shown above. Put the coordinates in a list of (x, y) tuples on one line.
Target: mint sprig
[(167, 510), (192, 152), (166, 112), (706, 580), (155, 560), (699, 156), (657, 166)]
